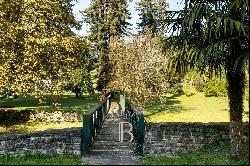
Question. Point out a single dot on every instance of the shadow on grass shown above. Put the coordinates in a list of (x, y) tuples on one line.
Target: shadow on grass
[(50, 102), (169, 105), (17, 111)]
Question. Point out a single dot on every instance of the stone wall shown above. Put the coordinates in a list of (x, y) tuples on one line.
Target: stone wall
[(56, 116), (160, 139), (60, 141), (175, 138)]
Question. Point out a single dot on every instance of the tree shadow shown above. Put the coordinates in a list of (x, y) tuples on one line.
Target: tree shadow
[(170, 104), (52, 103)]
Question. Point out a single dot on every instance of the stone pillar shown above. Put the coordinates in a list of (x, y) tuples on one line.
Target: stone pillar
[(122, 101)]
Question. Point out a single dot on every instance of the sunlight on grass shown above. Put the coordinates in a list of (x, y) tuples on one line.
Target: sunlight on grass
[(49, 102), (196, 108), (39, 126)]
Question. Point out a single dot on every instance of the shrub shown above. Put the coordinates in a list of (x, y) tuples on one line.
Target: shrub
[(175, 85), (246, 93), (216, 87), (194, 79), (188, 91)]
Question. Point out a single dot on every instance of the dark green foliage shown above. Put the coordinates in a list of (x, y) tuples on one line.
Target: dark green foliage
[(107, 19), (11, 117), (152, 15), (80, 82), (175, 84)]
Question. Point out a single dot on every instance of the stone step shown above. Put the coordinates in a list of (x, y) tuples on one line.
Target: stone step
[(110, 147), (115, 139), (114, 133), (112, 143), (112, 152), (103, 160), (114, 125), (107, 149)]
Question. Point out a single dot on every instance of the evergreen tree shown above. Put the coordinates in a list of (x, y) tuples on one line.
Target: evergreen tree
[(107, 18), (153, 14)]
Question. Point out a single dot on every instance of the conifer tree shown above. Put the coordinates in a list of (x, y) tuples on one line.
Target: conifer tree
[(153, 14), (107, 18)]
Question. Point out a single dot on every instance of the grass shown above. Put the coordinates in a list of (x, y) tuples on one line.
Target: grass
[(53, 103), (29, 127), (203, 156), (196, 108), (50, 102), (40, 160)]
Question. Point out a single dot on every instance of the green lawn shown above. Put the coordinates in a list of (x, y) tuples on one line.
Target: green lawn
[(28, 127), (203, 156), (40, 160), (49, 102), (196, 108), (54, 103)]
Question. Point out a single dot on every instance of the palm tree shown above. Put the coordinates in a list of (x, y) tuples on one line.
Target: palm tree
[(213, 35)]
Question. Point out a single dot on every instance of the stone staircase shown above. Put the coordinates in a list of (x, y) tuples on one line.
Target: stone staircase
[(108, 150)]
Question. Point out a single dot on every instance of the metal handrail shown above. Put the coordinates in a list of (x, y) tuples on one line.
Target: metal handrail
[(136, 118), (92, 123)]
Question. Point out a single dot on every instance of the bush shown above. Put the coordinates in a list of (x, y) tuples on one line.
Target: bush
[(188, 91), (246, 93), (12, 117), (194, 79), (175, 85), (216, 87), (6, 93)]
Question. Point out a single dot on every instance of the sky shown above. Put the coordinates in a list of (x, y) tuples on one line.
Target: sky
[(82, 4)]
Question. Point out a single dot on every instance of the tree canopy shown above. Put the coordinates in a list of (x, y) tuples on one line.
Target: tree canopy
[(139, 69), (153, 14), (107, 19), (36, 43)]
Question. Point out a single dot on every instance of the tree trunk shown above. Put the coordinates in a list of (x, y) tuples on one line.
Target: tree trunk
[(235, 94), (235, 78)]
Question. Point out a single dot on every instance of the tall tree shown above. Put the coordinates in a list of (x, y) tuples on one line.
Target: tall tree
[(214, 35), (152, 14), (36, 43), (79, 78), (139, 69), (107, 18)]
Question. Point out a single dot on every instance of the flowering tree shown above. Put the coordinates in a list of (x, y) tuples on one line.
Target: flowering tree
[(139, 69)]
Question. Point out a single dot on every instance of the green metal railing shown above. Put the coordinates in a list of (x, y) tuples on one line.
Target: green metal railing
[(92, 123), (136, 118)]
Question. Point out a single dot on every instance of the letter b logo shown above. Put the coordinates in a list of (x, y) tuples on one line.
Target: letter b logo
[(121, 131)]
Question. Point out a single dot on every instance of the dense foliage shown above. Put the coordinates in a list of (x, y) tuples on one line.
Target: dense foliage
[(139, 69), (37, 45), (153, 14), (108, 19)]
